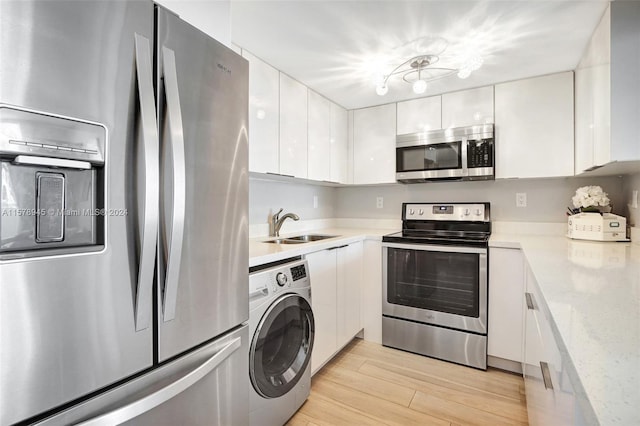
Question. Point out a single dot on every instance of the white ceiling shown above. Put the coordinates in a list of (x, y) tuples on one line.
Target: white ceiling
[(335, 47)]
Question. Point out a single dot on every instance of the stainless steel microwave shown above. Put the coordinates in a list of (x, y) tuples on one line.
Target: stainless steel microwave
[(462, 153)]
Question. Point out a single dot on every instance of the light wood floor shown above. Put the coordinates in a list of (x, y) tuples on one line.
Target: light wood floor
[(369, 384)]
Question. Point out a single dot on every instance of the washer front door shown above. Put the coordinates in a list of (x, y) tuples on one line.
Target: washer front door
[(281, 347)]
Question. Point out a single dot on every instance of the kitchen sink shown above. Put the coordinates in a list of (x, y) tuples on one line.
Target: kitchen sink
[(299, 239), (284, 241), (311, 237)]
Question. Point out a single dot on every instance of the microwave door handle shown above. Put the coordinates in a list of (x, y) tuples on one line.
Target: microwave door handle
[(463, 156), (176, 136), (145, 404), (148, 132)]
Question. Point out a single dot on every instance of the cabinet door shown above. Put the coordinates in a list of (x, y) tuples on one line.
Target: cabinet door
[(467, 108), (264, 115), (339, 144), (419, 115), (319, 142), (322, 273), (584, 125), (349, 278), (534, 127), (506, 295), (374, 141), (293, 127), (371, 307), (593, 100), (549, 393)]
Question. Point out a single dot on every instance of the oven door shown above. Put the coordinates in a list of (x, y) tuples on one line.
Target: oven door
[(436, 284)]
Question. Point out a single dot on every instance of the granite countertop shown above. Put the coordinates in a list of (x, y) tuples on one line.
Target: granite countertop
[(592, 291), (261, 252)]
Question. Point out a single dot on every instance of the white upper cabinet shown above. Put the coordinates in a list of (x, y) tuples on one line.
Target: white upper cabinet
[(467, 108), (419, 115), (534, 127), (319, 142), (264, 115), (607, 84), (339, 144), (374, 145), (293, 127), (593, 107)]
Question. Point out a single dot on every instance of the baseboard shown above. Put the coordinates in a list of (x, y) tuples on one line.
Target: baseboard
[(504, 364)]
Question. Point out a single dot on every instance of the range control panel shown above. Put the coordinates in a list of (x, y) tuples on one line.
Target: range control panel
[(476, 212)]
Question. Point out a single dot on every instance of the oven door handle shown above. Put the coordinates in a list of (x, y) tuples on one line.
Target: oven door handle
[(434, 247)]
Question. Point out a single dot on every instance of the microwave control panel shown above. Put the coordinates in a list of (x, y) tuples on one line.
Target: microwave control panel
[(480, 153)]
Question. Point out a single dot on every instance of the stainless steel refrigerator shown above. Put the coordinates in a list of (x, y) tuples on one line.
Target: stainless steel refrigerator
[(124, 225)]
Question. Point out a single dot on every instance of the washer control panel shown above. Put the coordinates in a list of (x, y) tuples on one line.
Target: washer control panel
[(278, 278)]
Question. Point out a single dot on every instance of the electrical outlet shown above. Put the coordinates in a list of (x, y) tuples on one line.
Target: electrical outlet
[(521, 199), (379, 202), (315, 201)]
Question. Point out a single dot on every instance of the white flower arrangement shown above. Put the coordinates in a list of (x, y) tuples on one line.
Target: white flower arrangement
[(590, 196)]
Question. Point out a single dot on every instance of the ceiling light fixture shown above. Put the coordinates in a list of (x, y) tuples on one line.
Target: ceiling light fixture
[(419, 70)]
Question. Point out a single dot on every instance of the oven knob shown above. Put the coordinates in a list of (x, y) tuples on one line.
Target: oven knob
[(411, 211), (421, 212), (467, 212), (281, 279), (478, 212)]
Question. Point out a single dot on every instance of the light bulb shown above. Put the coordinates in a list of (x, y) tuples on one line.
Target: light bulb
[(419, 86), (382, 89)]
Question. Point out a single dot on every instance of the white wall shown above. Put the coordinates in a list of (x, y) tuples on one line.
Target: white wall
[(630, 184), (267, 197), (547, 199), (210, 16)]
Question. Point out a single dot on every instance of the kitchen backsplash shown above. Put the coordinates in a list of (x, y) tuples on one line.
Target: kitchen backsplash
[(630, 184), (547, 199), (267, 197)]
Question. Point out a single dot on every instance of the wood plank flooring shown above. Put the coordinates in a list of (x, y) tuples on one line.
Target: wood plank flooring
[(369, 384)]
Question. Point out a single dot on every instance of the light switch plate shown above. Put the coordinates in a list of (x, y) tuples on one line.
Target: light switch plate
[(379, 202), (521, 199)]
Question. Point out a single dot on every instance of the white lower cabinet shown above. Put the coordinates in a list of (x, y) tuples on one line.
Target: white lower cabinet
[(549, 392), (506, 289), (336, 276), (349, 273)]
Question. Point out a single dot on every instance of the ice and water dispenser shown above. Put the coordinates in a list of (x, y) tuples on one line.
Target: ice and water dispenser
[(52, 183)]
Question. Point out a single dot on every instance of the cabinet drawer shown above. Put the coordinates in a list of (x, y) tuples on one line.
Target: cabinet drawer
[(549, 392)]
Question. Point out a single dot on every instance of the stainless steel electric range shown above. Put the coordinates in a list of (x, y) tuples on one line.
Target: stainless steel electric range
[(435, 282)]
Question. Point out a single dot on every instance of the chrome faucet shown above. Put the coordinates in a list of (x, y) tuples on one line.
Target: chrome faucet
[(276, 222)]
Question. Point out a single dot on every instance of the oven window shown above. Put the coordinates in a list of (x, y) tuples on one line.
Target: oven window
[(434, 280), (429, 157)]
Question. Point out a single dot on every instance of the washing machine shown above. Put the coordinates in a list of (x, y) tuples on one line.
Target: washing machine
[(281, 327)]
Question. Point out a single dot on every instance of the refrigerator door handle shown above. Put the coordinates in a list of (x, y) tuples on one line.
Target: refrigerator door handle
[(176, 135), (151, 179), (149, 402)]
